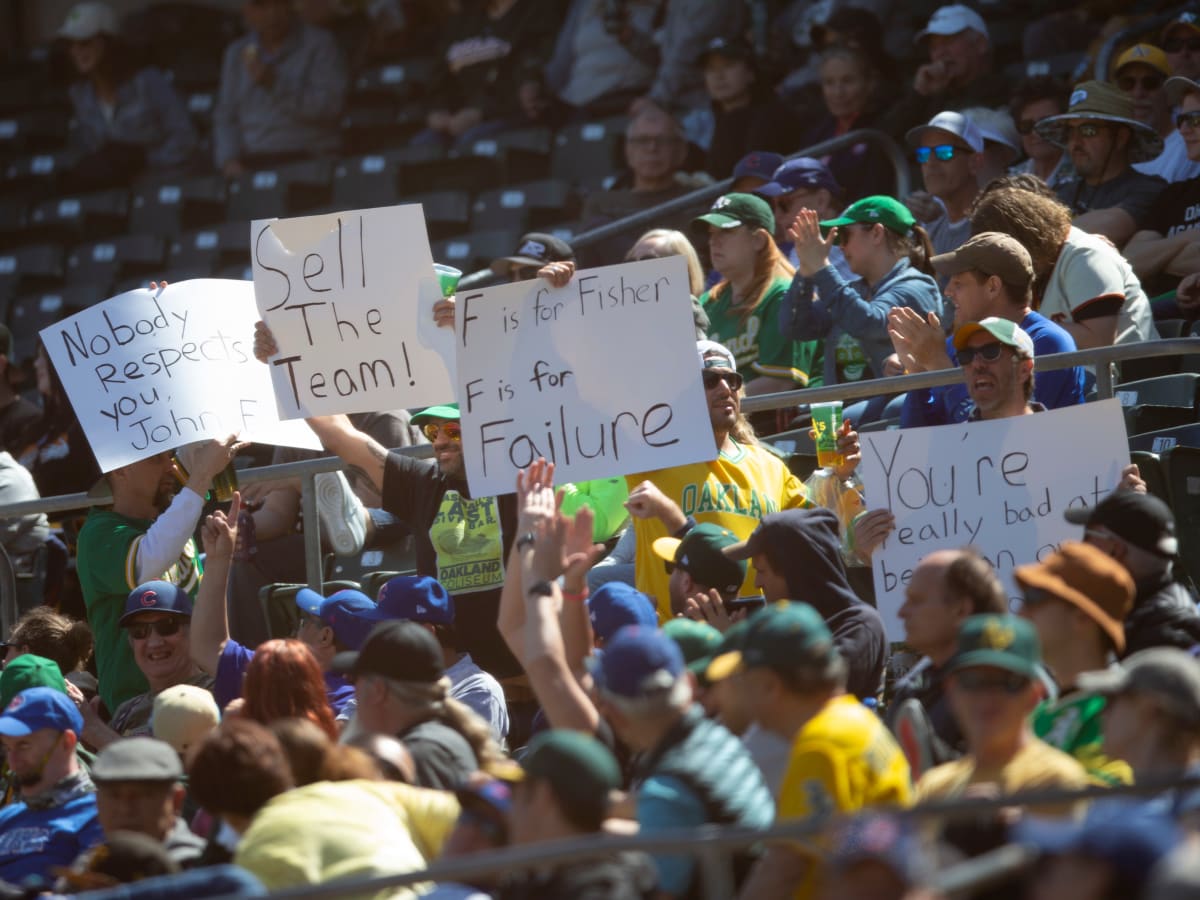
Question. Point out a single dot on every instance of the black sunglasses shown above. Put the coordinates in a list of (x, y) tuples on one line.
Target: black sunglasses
[(713, 378), (139, 631), (1148, 82), (989, 352), (1025, 126), (976, 681), (1177, 45)]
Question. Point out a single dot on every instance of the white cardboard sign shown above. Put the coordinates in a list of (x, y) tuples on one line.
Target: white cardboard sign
[(1000, 486), (600, 377), (150, 372), (349, 299)]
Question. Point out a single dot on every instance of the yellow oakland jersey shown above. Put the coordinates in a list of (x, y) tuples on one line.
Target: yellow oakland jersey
[(844, 759), (734, 491)]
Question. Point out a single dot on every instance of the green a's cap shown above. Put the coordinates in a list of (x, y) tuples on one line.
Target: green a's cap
[(1001, 642), (448, 411), (697, 641), (28, 671), (699, 553), (887, 211), (732, 210), (784, 636), (580, 770)]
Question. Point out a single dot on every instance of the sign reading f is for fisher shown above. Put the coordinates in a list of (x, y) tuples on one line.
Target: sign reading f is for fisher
[(349, 299)]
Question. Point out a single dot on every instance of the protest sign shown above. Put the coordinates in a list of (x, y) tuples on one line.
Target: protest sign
[(600, 377), (1000, 486), (349, 299), (148, 372)]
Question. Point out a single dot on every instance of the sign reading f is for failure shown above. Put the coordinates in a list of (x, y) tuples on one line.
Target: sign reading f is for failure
[(349, 299)]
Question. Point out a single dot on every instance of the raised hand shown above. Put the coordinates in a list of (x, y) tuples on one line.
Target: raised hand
[(220, 530), (812, 250), (264, 342)]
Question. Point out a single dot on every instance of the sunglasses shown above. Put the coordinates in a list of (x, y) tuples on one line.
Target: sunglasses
[(139, 631), (944, 152), (1178, 45), (988, 352), (1025, 126), (977, 681), (1187, 120), (842, 238), (1086, 130), (712, 379), (453, 431), (1147, 82)]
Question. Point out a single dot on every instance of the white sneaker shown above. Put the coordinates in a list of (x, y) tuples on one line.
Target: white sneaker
[(343, 519)]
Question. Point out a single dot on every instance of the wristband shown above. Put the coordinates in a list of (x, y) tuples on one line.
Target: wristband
[(577, 597), (526, 540), (686, 527), (540, 589)]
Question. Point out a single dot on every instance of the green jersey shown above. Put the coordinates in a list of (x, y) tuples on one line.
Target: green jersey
[(107, 564), (1072, 724), (755, 341)]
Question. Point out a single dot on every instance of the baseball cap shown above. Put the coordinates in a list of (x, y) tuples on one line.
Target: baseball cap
[(730, 48), (1177, 86), (638, 662), (1147, 55), (991, 253), (137, 759), (757, 164), (183, 714), (616, 604), (156, 596), (446, 411), (1139, 519), (1005, 331), (886, 211), (1002, 642), (417, 598), (343, 612), (697, 641), (36, 708), (1088, 579), (715, 356), (86, 20), (1188, 19), (951, 20), (962, 127), (699, 553), (535, 249), (996, 127), (1170, 675), (402, 651), (795, 174), (27, 671), (580, 770), (784, 636), (734, 210)]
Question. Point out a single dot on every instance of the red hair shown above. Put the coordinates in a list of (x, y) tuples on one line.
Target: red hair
[(284, 681)]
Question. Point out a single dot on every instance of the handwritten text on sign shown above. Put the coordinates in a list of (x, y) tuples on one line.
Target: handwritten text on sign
[(600, 377), (349, 299), (1000, 486), (148, 373)]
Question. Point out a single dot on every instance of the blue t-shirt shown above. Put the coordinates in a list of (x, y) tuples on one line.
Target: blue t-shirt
[(1054, 388), (665, 803), (33, 841), (231, 670)]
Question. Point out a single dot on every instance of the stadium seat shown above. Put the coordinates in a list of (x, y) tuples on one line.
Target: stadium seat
[(120, 257), (446, 212), (523, 207), (1182, 464), (1154, 366), (1166, 439), (586, 154), (1151, 417), (375, 129), (1179, 390), (200, 105), (456, 172), (476, 250), (523, 154), (396, 81), (211, 248), (170, 207), (71, 219), (366, 181), (32, 267), (29, 314), (398, 558), (36, 174), (278, 604), (38, 131), (287, 190), (1150, 466)]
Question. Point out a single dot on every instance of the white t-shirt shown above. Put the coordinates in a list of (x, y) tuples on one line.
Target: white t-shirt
[(1089, 268), (1172, 164)]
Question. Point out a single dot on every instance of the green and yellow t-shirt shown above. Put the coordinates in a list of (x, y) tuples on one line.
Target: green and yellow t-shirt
[(1073, 725)]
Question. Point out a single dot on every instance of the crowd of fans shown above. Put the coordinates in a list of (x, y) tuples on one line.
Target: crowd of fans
[(690, 646)]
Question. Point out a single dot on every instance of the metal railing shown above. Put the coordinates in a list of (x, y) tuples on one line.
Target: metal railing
[(308, 469)]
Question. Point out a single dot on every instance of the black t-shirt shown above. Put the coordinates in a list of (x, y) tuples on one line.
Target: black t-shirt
[(623, 876), (1176, 210), (463, 542), (1131, 191), (766, 124), (442, 757), (16, 419)]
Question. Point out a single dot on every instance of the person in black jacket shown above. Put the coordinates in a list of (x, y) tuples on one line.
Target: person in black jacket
[(1138, 530)]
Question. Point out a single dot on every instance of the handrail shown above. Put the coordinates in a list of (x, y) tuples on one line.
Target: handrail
[(1144, 26), (701, 197)]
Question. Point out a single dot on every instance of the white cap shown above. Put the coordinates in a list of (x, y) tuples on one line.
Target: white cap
[(714, 355), (956, 123), (86, 20), (996, 125), (953, 19)]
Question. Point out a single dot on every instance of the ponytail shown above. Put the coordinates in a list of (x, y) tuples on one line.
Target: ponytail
[(435, 702), (915, 245)]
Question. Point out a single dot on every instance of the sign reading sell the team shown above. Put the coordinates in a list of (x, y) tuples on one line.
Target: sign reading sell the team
[(599, 377), (349, 299), (151, 371), (999, 486)]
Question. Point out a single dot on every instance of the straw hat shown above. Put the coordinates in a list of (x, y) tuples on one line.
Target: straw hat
[(1098, 101)]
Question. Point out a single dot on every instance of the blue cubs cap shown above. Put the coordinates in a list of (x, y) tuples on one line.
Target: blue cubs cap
[(797, 174), (156, 596), (415, 598), (638, 662), (617, 604), (40, 707), (344, 612), (757, 164)]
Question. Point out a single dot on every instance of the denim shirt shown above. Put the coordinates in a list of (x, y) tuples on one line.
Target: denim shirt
[(147, 111)]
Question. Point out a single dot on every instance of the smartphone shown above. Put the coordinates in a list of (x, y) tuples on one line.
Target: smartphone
[(750, 604)]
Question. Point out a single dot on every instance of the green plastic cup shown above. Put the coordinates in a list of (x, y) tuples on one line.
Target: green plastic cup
[(448, 278), (827, 423)]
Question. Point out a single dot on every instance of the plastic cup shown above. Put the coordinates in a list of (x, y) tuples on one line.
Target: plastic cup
[(447, 278), (827, 423)]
